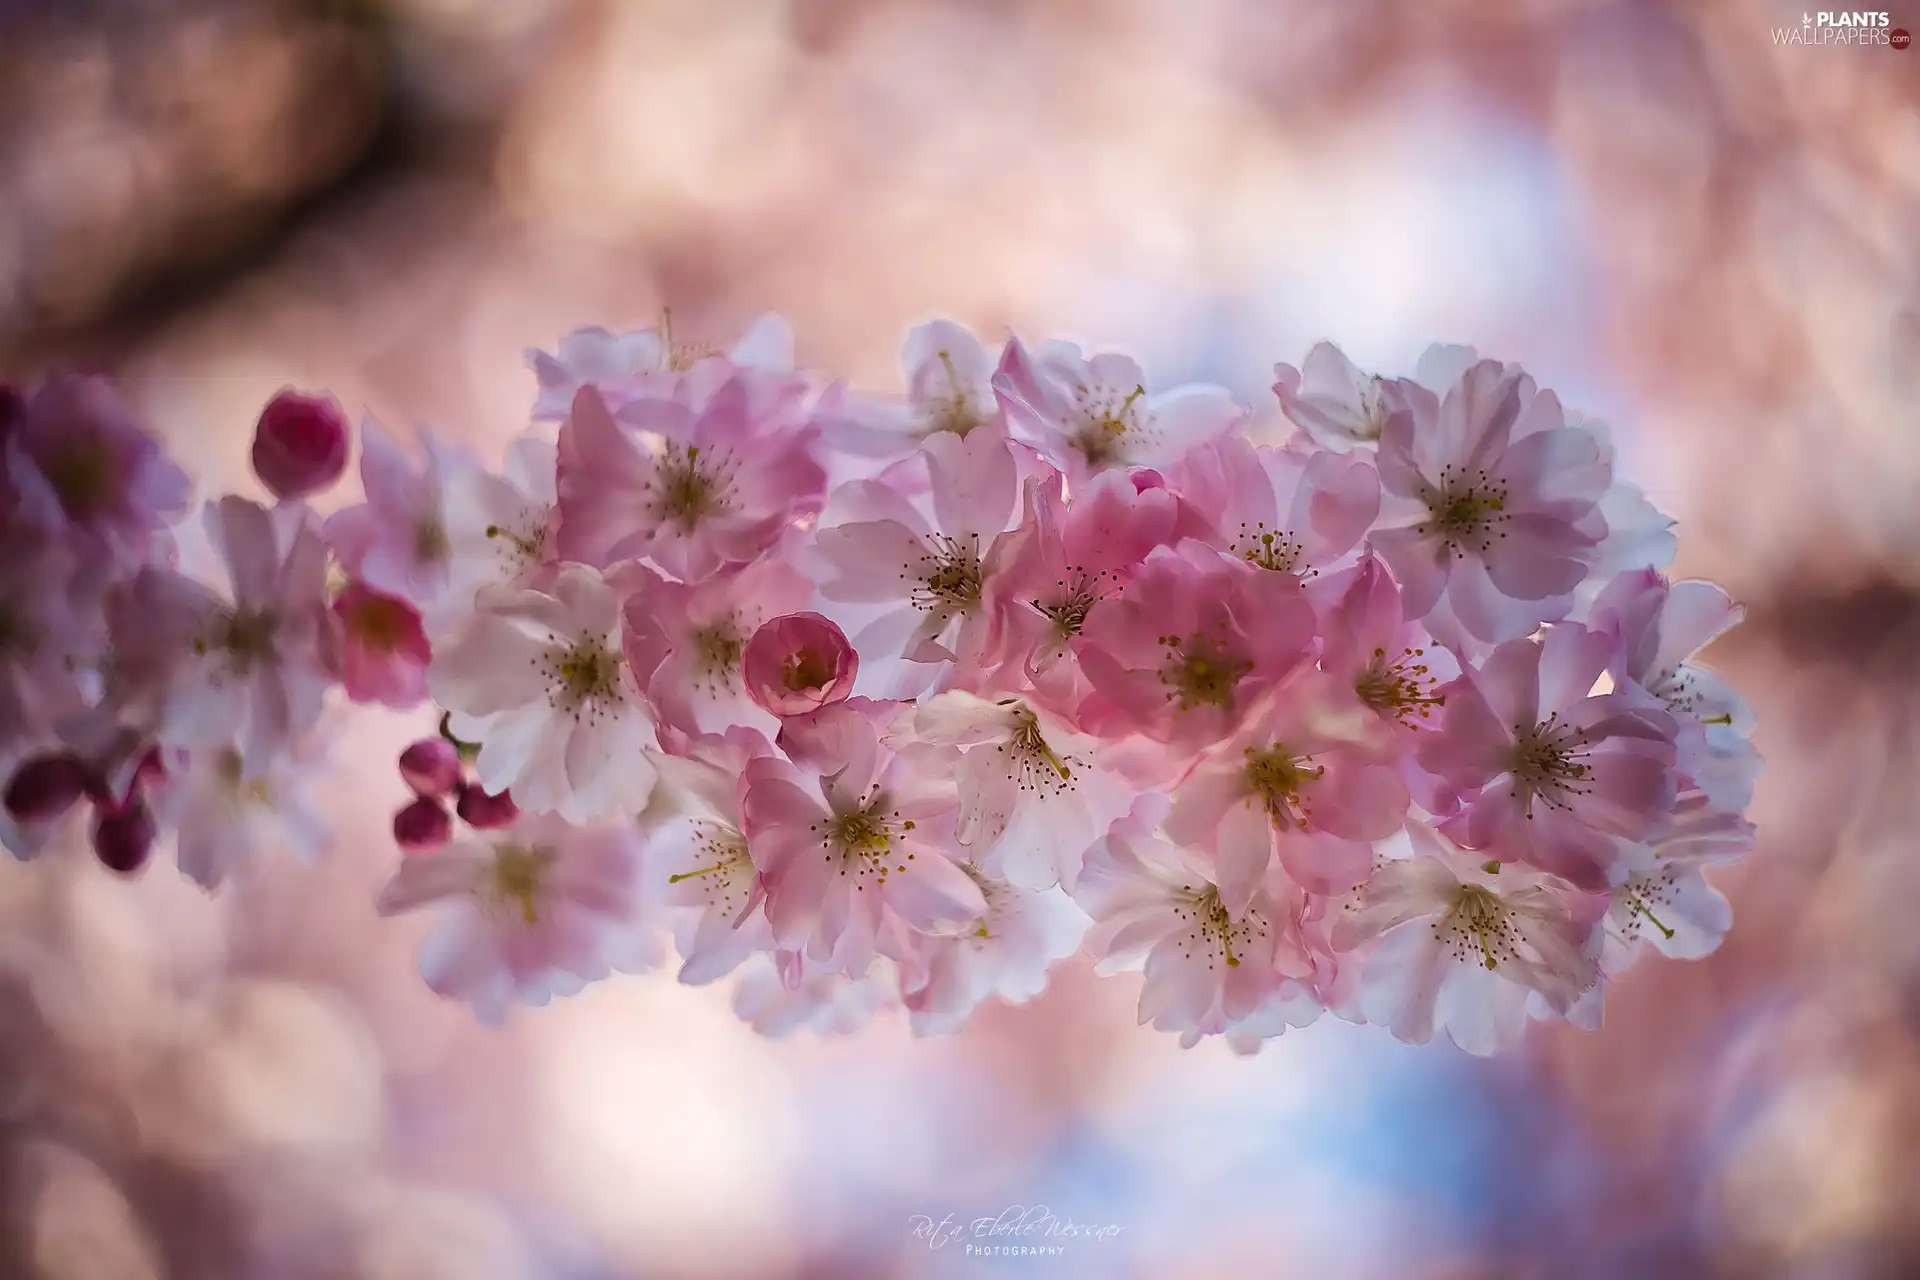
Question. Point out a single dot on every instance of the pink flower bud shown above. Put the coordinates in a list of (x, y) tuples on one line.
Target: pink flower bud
[(123, 836), (431, 767), (44, 788), (422, 825), (300, 445), (484, 812), (798, 663)]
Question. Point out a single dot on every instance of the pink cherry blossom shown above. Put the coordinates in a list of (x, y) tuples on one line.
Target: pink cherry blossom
[(701, 856), (384, 649), (1436, 942), (226, 811), (396, 541), (798, 663), (685, 642), (1300, 778), (528, 913), (1333, 401), (1278, 509), (1489, 499), (1185, 651), (80, 471), (1086, 414), (949, 388), (852, 840), (1660, 627), (498, 529), (933, 581), (784, 992), (1208, 968), (52, 631), (1031, 798), (646, 361), (719, 485), (254, 667), (1007, 953), (1551, 773), (540, 681), (1660, 893)]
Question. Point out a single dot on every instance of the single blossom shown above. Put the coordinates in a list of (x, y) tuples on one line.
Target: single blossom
[(715, 485), (1184, 652), (384, 649), (1489, 500), (686, 642), (934, 581), (1438, 942), (798, 663), (498, 529), (528, 913), (1661, 627), (1006, 953), (1660, 893), (226, 811), (854, 839), (783, 992), (1277, 509), (1552, 773), (1031, 798), (1087, 414), (80, 471), (1208, 968), (949, 388), (300, 444), (252, 668), (647, 361), (540, 682), (396, 541), (1330, 399), (700, 855), (1300, 779)]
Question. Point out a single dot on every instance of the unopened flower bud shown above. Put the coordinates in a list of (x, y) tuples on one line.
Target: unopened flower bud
[(431, 767), (123, 836), (44, 788), (484, 812), (300, 444), (422, 825)]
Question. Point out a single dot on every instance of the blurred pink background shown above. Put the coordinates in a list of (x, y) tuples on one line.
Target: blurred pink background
[(1708, 239)]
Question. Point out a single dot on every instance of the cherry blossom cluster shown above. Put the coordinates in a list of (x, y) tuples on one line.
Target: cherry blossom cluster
[(1373, 700)]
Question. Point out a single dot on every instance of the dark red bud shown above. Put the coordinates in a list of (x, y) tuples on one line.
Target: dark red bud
[(123, 837), (484, 812), (431, 767), (300, 445), (422, 826), (44, 788)]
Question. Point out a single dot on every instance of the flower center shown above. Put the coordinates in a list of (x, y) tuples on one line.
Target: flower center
[(82, 475), (1269, 548), (805, 670), (523, 545), (1215, 934), (584, 677), (1465, 510), (1546, 763), (1029, 761), (1201, 671), (1108, 424), (380, 623), (949, 575), (1373, 411), (1074, 597), (1478, 927), (689, 486), (717, 652), (245, 636), (430, 545), (1400, 689), (952, 409), (1278, 777), (862, 839), (229, 769), (518, 879), (1644, 891), (727, 872)]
